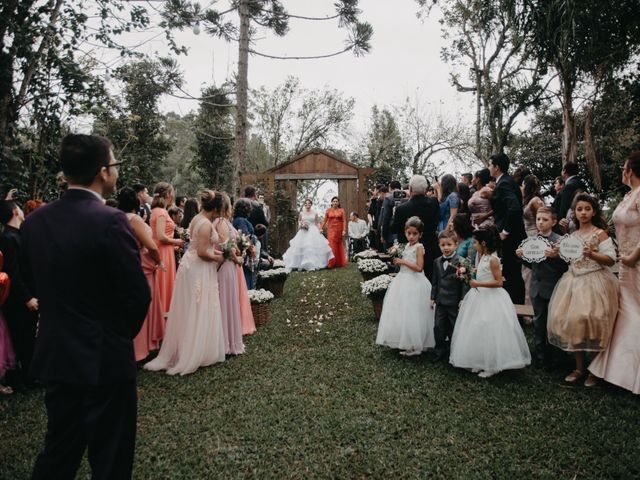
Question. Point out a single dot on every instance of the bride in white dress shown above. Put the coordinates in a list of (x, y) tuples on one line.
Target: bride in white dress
[(309, 249)]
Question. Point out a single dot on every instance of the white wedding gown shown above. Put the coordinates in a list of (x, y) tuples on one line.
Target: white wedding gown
[(487, 335), (309, 249)]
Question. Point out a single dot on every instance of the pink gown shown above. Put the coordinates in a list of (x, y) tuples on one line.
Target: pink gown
[(152, 331), (229, 295), (167, 255), (194, 336), (7, 355), (620, 362), (246, 314)]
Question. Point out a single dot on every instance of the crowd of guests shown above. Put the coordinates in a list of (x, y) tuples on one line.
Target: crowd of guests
[(579, 306)]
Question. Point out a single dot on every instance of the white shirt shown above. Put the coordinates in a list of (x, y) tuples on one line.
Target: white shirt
[(358, 229)]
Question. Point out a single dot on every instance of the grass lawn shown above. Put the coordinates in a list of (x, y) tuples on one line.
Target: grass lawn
[(315, 398)]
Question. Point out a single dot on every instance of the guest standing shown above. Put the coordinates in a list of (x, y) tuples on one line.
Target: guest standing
[(449, 201), (162, 228), (506, 203), (480, 201), (228, 282), (21, 307), (427, 210), (387, 236), (194, 336), (241, 222), (584, 303), (573, 185), (152, 331), (336, 222), (93, 298), (620, 362)]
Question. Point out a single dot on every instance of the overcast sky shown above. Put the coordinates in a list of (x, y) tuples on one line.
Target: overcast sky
[(404, 59)]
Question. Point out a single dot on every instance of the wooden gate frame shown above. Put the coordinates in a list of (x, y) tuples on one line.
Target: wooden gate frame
[(315, 164)]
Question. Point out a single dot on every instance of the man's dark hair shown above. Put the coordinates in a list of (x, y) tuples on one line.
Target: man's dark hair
[(395, 184), (249, 191), (355, 214), (570, 168), (138, 187), (6, 211), (260, 230), (501, 161), (384, 189), (468, 176), (379, 186), (82, 157)]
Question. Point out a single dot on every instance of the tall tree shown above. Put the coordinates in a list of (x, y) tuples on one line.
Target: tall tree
[(487, 40), (214, 139), (272, 16)]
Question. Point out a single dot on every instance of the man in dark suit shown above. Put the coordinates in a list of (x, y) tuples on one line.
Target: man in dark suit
[(573, 184), (93, 296), (506, 203), (256, 215), (428, 210)]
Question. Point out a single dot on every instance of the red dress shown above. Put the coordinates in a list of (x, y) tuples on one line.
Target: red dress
[(334, 218), (167, 255)]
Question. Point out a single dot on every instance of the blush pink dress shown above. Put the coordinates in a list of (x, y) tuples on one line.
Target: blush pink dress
[(229, 295), (167, 255), (246, 314), (194, 336), (152, 331), (620, 362)]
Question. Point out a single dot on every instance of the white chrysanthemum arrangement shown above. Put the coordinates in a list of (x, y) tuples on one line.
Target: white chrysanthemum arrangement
[(273, 274), (372, 265), (366, 254), (376, 287), (278, 263), (260, 296)]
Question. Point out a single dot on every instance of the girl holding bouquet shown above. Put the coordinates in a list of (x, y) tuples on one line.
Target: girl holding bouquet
[(229, 287), (406, 322), (487, 337)]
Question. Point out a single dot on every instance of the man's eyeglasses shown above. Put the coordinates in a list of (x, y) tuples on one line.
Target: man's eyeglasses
[(114, 165)]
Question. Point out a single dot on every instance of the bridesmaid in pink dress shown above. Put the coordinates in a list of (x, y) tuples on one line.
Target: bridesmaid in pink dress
[(194, 336), (228, 285), (162, 228), (620, 362), (152, 331)]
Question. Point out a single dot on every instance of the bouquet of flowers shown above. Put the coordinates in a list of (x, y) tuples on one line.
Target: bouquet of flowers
[(366, 254), (243, 242), (396, 250), (228, 247), (372, 265), (465, 271), (260, 296), (376, 287)]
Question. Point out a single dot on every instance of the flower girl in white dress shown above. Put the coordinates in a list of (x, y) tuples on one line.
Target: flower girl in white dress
[(487, 337), (309, 249), (407, 318)]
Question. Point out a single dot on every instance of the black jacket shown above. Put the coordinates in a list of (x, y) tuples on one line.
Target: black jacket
[(92, 293), (506, 203), (563, 200)]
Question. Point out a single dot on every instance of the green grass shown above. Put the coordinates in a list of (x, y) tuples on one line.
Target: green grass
[(322, 401)]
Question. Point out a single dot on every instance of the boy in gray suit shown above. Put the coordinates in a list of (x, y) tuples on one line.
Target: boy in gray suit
[(544, 276), (447, 291)]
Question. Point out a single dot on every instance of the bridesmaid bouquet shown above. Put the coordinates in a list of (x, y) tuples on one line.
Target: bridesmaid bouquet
[(227, 248), (465, 270), (243, 242)]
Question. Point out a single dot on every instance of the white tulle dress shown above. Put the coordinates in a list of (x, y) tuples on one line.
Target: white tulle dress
[(407, 318), (487, 335), (309, 249), (194, 337)]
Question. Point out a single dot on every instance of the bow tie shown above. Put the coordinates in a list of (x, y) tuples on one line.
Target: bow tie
[(446, 262)]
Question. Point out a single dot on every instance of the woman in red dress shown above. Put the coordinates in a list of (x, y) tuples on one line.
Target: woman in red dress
[(336, 222), (162, 229)]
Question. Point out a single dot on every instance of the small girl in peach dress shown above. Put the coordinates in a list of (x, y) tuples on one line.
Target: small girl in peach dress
[(584, 304)]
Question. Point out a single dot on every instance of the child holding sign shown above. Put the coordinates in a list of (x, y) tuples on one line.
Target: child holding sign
[(544, 277), (584, 304)]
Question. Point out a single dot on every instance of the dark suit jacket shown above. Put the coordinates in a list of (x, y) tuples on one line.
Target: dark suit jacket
[(563, 200), (506, 203), (10, 245), (427, 209), (386, 215), (545, 275), (257, 216), (446, 289), (92, 293)]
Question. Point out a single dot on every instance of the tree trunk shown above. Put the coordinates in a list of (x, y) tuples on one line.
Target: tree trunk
[(590, 150), (569, 137), (479, 153), (240, 144)]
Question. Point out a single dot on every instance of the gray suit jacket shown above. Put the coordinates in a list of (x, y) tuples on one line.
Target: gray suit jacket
[(446, 289), (545, 275)]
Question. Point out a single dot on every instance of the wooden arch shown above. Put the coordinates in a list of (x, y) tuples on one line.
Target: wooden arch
[(279, 186)]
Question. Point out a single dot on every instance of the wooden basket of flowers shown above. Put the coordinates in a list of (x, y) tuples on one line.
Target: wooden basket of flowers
[(375, 290)]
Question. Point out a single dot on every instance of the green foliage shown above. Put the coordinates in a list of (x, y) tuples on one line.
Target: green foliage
[(214, 139), (134, 123), (303, 403), (178, 168)]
